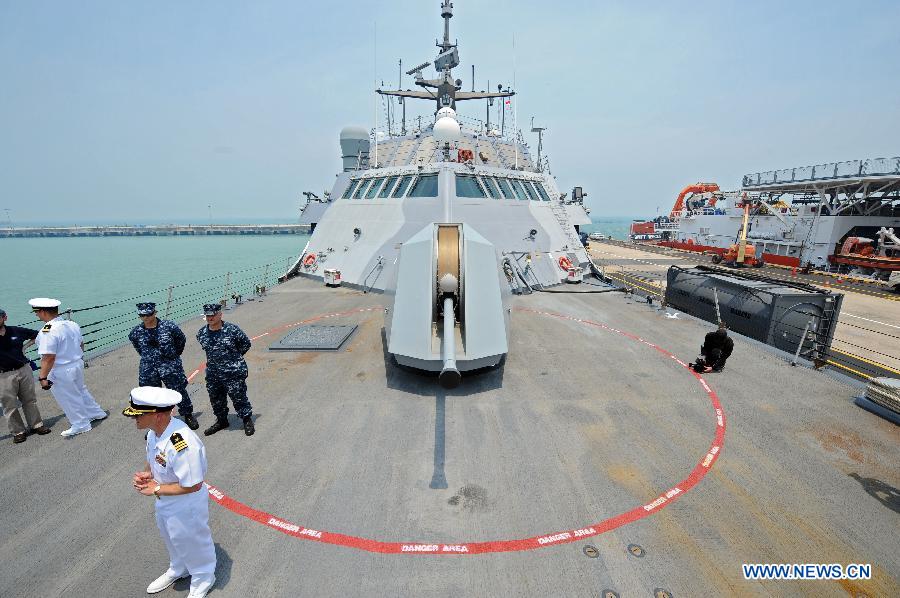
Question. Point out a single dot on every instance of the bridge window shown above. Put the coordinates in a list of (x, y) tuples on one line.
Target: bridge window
[(361, 189), (491, 186), (507, 191), (388, 185), (402, 186), (374, 187), (351, 187), (467, 186), (426, 186), (518, 190), (542, 192), (529, 189)]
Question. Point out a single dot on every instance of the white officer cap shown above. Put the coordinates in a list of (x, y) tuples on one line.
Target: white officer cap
[(151, 399), (43, 302)]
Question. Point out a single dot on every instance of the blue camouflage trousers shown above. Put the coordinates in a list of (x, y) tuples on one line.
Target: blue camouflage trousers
[(174, 380), (221, 386)]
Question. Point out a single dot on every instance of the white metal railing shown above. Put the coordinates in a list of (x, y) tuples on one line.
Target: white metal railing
[(832, 170)]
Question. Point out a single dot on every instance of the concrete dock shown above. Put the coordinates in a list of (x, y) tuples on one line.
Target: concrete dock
[(160, 230)]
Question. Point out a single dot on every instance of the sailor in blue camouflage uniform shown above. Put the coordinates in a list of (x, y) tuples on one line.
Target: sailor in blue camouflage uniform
[(160, 344), (226, 371)]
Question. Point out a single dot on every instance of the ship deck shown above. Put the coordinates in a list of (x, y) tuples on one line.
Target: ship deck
[(582, 428)]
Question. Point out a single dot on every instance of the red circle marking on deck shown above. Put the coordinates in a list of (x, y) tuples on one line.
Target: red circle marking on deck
[(550, 539)]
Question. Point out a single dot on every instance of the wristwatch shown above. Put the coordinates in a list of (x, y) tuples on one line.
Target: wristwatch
[(156, 492)]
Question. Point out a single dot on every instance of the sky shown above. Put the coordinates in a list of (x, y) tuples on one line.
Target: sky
[(172, 111)]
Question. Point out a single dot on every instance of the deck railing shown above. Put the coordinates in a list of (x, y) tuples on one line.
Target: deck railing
[(105, 326)]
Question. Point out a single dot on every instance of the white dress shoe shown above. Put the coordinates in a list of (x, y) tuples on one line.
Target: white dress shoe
[(162, 582), (74, 432), (100, 418), (202, 589)]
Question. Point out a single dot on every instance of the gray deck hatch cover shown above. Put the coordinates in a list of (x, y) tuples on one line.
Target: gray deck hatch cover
[(312, 337)]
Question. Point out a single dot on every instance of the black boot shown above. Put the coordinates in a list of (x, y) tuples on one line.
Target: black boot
[(220, 424), (191, 421), (248, 426)]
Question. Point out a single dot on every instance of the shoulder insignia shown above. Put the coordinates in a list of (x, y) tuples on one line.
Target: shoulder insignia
[(178, 442), (46, 328)]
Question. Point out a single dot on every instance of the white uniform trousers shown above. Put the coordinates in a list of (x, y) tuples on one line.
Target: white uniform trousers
[(72, 395), (183, 523)]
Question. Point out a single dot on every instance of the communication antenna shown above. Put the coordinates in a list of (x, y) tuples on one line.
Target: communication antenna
[(490, 102), (515, 107), (540, 132), (502, 112), (400, 99), (8, 219), (375, 82)]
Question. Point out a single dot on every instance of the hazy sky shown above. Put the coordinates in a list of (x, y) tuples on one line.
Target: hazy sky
[(122, 111)]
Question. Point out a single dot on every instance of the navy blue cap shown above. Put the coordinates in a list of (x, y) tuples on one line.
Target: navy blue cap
[(146, 309), (211, 309)]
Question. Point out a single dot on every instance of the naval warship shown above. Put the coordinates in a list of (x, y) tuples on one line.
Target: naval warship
[(479, 427), (448, 220)]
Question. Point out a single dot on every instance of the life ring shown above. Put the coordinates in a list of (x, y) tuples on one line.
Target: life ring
[(565, 263), (310, 259)]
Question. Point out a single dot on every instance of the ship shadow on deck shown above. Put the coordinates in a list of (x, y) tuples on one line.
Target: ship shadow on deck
[(883, 492), (425, 384), (417, 382)]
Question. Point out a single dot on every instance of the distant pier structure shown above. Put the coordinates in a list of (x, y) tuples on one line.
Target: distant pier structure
[(162, 230)]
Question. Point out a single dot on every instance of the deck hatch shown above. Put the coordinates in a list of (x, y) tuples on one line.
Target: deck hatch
[(312, 337)]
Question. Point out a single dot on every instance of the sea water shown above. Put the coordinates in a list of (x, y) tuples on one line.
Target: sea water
[(617, 228), (103, 277)]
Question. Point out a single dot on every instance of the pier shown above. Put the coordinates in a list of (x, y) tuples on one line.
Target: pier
[(161, 230)]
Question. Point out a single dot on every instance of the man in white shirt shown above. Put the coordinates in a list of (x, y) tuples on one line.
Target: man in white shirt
[(62, 367), (176, 466)]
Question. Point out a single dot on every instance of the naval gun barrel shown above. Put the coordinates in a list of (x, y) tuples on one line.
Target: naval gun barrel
[(450, 376)]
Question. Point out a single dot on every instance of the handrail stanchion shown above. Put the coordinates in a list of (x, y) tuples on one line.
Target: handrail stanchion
[(800, 344), (169, 301), (227, 290)]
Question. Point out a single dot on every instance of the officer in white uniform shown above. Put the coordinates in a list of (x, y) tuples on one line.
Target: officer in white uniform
[(62, 367), (176, 466)]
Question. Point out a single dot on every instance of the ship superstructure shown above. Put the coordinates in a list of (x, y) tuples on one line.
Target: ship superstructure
[(840, 215), (406, 201)]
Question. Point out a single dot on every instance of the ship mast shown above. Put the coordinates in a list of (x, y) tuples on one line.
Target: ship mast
[(444, 91)]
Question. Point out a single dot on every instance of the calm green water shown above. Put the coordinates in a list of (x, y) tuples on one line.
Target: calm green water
[(614, 227), (117, 272)]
